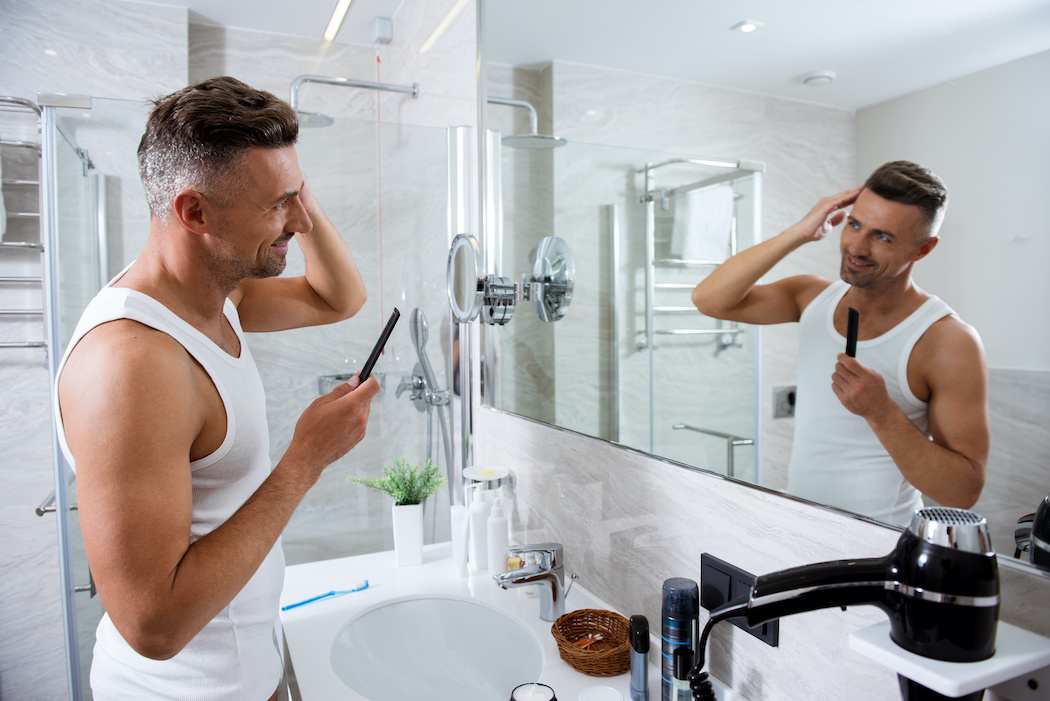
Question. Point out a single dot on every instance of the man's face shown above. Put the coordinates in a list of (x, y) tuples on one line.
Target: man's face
[(253, 233), (881, 240)]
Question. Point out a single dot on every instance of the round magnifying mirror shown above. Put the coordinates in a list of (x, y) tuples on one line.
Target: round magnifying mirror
[(553, 273), (466, 285)]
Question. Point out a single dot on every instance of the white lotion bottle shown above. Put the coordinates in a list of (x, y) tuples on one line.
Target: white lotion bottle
[(497, 539), (479, 514)]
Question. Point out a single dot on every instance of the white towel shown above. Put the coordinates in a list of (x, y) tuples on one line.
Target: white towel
[(703, 221)]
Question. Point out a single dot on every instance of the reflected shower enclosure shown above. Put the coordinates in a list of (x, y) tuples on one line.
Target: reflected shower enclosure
[(634, 362)]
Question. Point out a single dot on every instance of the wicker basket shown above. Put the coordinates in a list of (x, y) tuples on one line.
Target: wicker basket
[(594, 642)]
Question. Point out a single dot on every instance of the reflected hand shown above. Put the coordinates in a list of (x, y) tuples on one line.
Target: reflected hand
[(826, 215), (860, 389)]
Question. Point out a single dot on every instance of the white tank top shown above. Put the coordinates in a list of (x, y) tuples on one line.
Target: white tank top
[(235, 656), (836, 458)]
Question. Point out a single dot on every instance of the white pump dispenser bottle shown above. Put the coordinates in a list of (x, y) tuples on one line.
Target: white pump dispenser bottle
[(497, 539)]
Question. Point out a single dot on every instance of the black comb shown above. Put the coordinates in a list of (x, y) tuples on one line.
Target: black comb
[(851, 332)]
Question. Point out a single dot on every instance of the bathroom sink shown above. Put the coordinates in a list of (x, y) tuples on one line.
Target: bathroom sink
[(435, 647)]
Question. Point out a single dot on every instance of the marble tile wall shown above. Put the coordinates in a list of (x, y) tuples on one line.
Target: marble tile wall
[(1018, 470)]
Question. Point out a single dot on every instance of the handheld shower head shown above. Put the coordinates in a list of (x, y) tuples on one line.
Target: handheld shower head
[(418, 331), (939, 586)]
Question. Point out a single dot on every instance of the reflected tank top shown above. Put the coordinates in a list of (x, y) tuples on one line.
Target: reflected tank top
[(836, 458)]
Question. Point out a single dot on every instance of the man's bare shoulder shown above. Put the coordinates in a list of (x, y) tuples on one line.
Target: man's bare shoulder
[(126, 342), (124, 358), (805, 288), (951, 350)]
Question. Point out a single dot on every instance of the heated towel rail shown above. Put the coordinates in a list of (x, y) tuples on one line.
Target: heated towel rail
[(732, 442), (733, 170), (17, 104)]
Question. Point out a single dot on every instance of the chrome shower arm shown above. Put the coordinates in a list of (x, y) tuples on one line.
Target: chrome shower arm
[(412, 90), (534, 122)]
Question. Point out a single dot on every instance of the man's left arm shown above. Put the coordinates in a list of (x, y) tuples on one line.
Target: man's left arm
[(331, 289), (950, 468)]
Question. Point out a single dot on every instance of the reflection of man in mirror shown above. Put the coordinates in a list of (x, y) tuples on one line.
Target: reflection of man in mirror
[(909, 414)]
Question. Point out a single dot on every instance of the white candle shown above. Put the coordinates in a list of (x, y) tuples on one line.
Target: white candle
[(532, 692)]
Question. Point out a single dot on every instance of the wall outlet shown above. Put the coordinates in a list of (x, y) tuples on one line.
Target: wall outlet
[(721, 582), (783, 401)]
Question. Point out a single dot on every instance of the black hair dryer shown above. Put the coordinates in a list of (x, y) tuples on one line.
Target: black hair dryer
[(939, 587)]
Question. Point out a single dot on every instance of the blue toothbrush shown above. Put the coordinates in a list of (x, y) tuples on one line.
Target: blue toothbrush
[(361, 587)]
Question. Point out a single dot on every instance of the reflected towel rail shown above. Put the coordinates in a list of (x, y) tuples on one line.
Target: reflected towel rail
[(732, 441), (23, 344), (21, 246), (20, 144)]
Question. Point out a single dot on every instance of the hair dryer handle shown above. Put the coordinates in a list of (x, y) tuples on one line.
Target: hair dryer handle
[(818, 586)]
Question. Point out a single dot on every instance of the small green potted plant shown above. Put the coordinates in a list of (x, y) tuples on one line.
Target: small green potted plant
[(410, 486)]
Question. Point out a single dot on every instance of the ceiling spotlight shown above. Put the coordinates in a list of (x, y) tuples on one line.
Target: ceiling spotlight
[(746, 26), (818, 78)]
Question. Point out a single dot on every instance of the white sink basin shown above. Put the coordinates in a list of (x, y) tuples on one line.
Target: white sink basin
[(385, 652)]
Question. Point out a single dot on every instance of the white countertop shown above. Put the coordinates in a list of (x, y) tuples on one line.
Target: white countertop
[(309, 630)]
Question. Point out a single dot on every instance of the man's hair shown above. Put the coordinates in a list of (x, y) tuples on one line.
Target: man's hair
[(197, 138), (910, 183)]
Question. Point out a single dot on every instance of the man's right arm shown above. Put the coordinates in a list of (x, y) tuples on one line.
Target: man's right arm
[(132, 410), (732, 292)]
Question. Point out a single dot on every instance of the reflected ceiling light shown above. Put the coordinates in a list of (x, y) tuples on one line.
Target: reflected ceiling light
[(338, 15), (818, 78), (746, 26), (440, 29), (50, 52)]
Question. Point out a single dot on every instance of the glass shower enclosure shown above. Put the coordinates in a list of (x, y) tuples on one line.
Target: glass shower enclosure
[(386, 189), (633, 362)]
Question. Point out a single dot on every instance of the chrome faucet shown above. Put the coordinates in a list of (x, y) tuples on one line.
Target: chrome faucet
[(542, 566)]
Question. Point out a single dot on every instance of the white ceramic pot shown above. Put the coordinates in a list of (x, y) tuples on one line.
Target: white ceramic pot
[(408, 534)]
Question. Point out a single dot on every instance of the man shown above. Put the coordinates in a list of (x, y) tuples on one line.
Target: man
[(909, 414), (162, 410)]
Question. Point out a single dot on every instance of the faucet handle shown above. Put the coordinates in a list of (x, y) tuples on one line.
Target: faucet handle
[(547, 555)]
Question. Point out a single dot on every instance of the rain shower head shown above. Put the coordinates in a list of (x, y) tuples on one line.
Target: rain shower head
[(310, 120), (532, 140)]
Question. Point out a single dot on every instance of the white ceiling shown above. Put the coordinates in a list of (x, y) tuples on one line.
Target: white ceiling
[(879, 49)]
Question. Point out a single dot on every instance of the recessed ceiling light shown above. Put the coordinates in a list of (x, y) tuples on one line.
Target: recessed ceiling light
[(818, 78), (338, 15), (746, 26)]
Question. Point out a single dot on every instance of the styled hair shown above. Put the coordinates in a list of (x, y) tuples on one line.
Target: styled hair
[(910, 183), (197, 138)]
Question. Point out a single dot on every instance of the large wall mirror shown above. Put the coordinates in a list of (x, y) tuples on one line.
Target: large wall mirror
[(622, 131)]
